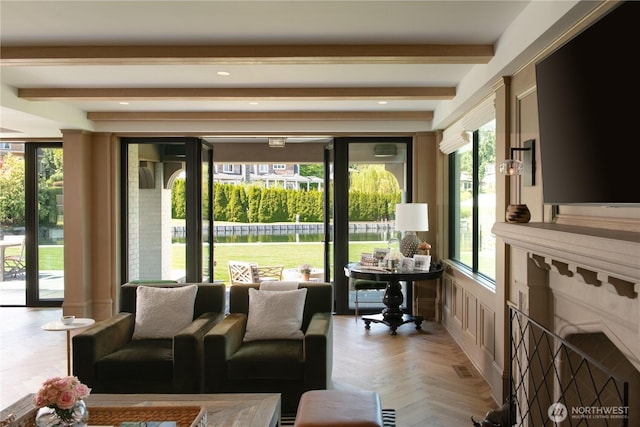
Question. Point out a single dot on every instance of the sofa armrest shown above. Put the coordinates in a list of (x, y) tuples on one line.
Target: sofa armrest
[(188, 353), (223, 340), (318, 351), (98, 341)]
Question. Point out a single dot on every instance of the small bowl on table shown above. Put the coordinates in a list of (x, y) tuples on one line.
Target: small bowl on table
[(67, 320)]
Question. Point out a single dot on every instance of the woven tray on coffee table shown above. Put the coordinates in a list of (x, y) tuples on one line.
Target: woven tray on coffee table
[(184, 416)]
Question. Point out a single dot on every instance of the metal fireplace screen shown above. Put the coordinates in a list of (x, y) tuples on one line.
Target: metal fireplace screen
[(552, 382)]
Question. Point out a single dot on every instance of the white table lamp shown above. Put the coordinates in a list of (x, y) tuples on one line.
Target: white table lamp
[(411, 217)]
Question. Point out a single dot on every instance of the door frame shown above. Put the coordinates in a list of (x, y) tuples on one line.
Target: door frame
[(193, 195), (32, 271), (341, 208)]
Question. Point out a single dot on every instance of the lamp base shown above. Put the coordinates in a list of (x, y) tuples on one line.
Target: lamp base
[(518, 214), (409, 244)]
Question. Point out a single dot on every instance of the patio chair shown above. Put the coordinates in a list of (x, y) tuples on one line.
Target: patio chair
[(14, 265), (248, 272), (360, 285)]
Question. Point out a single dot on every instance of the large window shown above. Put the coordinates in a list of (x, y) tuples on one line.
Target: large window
[(473, 202)]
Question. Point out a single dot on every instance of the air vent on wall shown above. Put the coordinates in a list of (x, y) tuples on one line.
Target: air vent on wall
[(385, 150), (277, 142)]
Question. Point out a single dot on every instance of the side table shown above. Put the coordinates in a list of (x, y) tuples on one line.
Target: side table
[(57, 325), (392, 316)]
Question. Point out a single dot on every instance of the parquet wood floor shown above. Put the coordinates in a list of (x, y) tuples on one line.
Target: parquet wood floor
[(413, 371)]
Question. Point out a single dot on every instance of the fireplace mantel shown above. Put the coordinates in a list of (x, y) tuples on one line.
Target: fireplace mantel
[(591, 284), (606, 252)]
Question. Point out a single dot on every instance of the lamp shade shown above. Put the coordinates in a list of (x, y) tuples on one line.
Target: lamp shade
[(412, 217)]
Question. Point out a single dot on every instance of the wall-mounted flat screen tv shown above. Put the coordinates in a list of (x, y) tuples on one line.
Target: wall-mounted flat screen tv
[(589, 114)]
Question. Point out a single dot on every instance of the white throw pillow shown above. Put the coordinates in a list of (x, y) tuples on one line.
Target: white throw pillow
[(272, 285), (275, 315), (163, 312)]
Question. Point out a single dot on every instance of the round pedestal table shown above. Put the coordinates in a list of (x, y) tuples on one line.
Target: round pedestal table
[(392, 315), (57, 325)]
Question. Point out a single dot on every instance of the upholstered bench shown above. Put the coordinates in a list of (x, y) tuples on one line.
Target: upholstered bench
[(339, 408)]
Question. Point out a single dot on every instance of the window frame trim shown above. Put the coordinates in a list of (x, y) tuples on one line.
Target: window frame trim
[(470, 270)]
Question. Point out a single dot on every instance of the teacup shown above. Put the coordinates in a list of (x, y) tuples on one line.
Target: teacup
[(67, 320)]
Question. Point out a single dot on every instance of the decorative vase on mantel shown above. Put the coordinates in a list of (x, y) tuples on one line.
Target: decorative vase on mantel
[(518, 213), (48, 416)]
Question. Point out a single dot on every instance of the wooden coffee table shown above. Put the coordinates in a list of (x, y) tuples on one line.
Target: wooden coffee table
[(237, 409)]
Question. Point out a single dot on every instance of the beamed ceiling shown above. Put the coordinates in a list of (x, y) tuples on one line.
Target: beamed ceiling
[(243, 68)]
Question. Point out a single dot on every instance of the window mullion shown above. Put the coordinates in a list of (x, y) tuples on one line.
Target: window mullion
[(476, 192)]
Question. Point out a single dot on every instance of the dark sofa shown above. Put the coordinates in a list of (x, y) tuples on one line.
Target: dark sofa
[(289, 367), (107, 360)]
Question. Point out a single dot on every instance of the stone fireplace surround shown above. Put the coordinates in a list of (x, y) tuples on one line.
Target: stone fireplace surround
[(577, 279), (580, 281)]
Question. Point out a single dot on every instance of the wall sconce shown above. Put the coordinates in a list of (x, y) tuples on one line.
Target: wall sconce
[(277, 142), (527, 166), (411, 217), (525, 169)]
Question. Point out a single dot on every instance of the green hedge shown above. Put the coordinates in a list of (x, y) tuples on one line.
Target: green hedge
[(255, 204), (12, 198)]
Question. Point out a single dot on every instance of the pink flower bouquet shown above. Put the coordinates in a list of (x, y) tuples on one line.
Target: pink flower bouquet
[(61, 394)]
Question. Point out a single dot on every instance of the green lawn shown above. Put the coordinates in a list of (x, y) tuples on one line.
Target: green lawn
[(290, 255), (51, 257)]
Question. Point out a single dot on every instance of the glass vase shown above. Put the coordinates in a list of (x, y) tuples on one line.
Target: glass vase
[(78, 415)]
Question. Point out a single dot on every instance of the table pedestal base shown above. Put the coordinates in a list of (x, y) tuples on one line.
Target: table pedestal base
[(393, 315), (392, 321)]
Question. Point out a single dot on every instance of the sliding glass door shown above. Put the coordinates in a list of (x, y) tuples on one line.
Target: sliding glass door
[(167, 200), (44, 248), (32, 225), (371, 176)]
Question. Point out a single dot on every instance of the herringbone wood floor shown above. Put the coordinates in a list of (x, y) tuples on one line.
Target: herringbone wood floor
[(412, 371)]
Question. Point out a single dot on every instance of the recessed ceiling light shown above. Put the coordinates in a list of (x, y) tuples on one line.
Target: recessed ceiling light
[(124, 103), (254, 103), (382, 102), (223, 73)]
